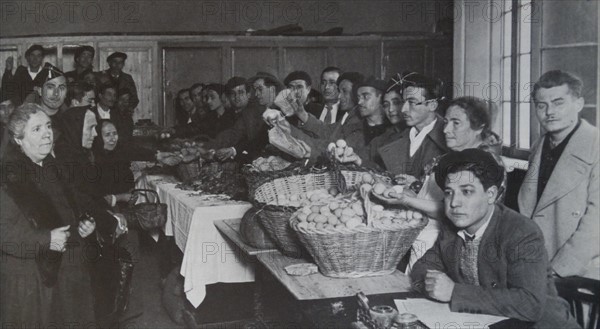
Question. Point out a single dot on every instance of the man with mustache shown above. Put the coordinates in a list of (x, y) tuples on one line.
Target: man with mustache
[(417, 146), (560, 190)]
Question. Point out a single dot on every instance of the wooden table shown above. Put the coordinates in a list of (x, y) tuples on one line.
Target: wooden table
[(231, 229), (326, 302), (317, 286)]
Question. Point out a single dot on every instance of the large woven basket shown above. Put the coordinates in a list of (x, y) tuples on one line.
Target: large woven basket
[(357, 252), (255, 178), (275, 218)]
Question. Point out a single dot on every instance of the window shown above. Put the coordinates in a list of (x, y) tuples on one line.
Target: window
[(516, 74)]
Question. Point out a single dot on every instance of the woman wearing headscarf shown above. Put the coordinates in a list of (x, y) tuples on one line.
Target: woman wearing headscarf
[(116, 179), (47, 237), (74, 151)]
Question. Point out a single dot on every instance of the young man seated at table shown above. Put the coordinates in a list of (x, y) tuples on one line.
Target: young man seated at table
[(488, 259)]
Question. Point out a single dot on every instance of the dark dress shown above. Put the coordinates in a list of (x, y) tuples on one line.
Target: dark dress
[(35, 200), (114, 168)]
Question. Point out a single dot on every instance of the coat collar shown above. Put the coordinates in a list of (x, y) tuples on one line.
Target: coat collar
[(572, 167)]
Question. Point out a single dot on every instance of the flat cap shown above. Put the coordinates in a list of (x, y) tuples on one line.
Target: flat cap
[(234, 82), (373, 82), (116, 54)]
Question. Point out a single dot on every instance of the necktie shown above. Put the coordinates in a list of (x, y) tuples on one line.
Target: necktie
[(327, 119), (468, 260)]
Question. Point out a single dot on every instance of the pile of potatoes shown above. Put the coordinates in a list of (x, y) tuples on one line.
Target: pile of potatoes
[(401, 217), (335, 214), (181, 151), (306, 199)]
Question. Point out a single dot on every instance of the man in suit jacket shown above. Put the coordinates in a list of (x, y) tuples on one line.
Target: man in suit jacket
[(117, 77), (331, 112), (560, 190), (489, 259), (424, 140)]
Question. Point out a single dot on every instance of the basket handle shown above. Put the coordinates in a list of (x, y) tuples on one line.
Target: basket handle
[(146, 191), (364, 193)]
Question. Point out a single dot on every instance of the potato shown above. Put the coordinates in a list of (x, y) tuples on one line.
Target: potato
[(338, 212), (311, 217), (354, 222), (315, 197), (302, 217), (388, 191), (333, 205), (315, 209), (341, 143), (320, 226), (345, 219), (303, 225), (348, 212), (417, 215), (333, 191), (339, 151), (398, 188), (367, 178), (358, 209), (331, 219), (324, 210), (320, 219), (379, 188)]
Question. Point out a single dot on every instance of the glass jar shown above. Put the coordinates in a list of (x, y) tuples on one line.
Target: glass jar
[(406, 321)]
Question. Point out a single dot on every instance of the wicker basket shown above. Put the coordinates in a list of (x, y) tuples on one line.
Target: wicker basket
[(361, 251), (275, 218), (188, 171)]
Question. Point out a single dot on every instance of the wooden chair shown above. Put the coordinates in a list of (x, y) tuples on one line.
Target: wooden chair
[(583, 295)]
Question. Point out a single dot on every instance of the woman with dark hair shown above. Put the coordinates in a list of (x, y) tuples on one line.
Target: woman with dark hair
[(44, 273), (467, 125), (116, 179)]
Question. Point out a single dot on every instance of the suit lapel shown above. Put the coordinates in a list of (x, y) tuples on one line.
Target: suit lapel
[(528, 190), (570, 168), (395, 154)]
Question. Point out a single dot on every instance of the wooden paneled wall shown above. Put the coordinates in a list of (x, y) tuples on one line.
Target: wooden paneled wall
[(161, 65)]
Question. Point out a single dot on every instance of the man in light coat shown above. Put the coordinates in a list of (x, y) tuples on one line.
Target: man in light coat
[(560, 190)]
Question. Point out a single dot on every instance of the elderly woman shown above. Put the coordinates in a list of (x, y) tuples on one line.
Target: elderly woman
[(44, 273), (116, 179), (467, 125)]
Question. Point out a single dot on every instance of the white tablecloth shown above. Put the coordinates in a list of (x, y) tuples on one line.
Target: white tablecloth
[(207, 257)]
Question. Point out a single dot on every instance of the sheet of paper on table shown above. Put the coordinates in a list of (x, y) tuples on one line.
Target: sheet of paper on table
[(438, 315)]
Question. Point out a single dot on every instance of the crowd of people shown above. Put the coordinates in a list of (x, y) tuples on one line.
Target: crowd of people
[(443, 149)]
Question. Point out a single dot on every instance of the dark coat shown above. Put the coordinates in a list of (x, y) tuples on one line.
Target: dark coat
[(199, 124), (36, 200), (248, 134), (216, 124), (80, 170), (18, 85), (515, 278), (396, 155), (114, 168)]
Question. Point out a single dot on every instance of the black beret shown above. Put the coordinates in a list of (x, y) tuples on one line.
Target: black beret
[(217, 87), (81, 49), (234, 82), (34, 48), (47, 73), (372, 82), (116, 54), (353, 77), (482, 163), (298, 75)]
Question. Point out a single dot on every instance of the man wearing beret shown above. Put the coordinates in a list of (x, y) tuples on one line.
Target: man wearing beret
[(21, 84), (488, 258), (364, 123), (84, 57), (560, 190), (117, 77)]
